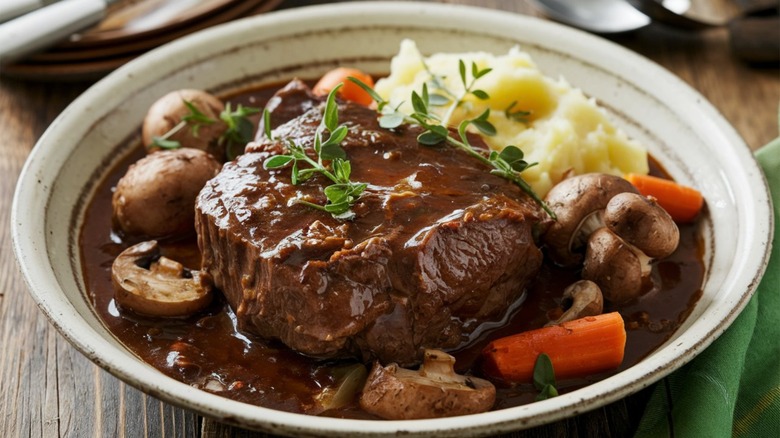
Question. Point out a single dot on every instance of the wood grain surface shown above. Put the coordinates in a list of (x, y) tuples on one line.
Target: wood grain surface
[(48, 389)]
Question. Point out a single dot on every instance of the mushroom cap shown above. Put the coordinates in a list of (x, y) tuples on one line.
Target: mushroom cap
[(150, 284), (586, 300), (643, 223), (156, 197), (434, 391), (574, 200), (168, 111), (618, 268)]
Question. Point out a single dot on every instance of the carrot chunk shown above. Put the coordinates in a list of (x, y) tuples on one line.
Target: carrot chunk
[(576, 348), (682, 203), (350, 91)]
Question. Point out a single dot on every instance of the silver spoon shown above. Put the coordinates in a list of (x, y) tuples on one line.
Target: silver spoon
[(599, 16), (754, 34), (676, 12)]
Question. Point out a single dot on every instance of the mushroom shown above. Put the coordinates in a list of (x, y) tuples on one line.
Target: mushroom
[(156, 197), (434, 391), (618, 267), (618, 257), (578, 203), (150, 284), (168, 111), (643, 223), (580, 299)]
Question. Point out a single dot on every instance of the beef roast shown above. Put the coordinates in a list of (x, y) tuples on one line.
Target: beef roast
[(438, 246)]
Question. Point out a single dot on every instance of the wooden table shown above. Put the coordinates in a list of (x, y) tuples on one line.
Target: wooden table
[(47, 388)]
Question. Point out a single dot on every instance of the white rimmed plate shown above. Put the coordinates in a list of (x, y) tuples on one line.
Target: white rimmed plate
[(682, 130)]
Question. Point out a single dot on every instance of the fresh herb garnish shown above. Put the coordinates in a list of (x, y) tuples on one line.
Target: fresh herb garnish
[(516, 115), (441, 95), (544, 377), (239, 129), (507, 164), (267, 124), (195, 118), (239, 132), (343, 193)]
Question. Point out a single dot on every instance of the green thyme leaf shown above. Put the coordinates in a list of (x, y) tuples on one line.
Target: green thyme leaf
[(331, 115), (544, 377), (430, 138), (391, 120), (482, 124), (277, 161), (548, 391), (436, 99), (480, 94), (294, 174), (477, 73), (240, 129), (420, 106), (512, 155), (163, 143), (332, 151), (378, 99), (516, 115), (338, 135), (196, 118), (267, 124)]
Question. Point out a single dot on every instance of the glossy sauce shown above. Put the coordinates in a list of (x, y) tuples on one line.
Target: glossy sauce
[(206, 350)]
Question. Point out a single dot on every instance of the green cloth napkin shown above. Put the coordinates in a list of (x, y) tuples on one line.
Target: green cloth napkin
[(733, 387)]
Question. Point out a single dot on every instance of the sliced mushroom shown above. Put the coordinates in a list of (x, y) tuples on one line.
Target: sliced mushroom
[(643, 223), (583, 298), (579, 203), (619, 268), (168, 111), (434, 391), (150, 284)]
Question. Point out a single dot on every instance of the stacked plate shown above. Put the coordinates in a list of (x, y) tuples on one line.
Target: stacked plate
[(130, 28)]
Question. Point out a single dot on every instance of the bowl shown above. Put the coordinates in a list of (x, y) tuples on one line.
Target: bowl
[(692, 140)]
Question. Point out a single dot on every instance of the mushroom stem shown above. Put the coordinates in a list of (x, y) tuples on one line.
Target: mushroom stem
[(588, 226), (619, 268), (585, 300)]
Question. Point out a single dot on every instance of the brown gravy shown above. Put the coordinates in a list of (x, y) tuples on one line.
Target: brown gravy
[(207, 351)]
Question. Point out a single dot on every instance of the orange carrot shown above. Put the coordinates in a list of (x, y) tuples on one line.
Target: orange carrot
[(682, 203), (350, 91), (576, 348)]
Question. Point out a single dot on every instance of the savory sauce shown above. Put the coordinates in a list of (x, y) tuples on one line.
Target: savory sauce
[(207, 352)]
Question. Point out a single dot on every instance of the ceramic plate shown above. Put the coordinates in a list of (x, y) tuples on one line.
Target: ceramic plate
[(682, 130), (92, 58)]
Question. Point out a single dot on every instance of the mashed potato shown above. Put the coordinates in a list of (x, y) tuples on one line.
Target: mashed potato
[(564, 129)]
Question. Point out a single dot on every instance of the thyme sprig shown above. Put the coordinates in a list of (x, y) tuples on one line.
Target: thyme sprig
[(194, 119), (343, 193), (240, 129), (468, 88), (239, 132), (508, 163)]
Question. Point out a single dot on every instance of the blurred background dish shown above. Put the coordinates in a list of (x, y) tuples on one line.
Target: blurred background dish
[(130, 28)]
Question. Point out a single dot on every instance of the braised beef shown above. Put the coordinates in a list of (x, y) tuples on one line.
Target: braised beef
[(438, 246)]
